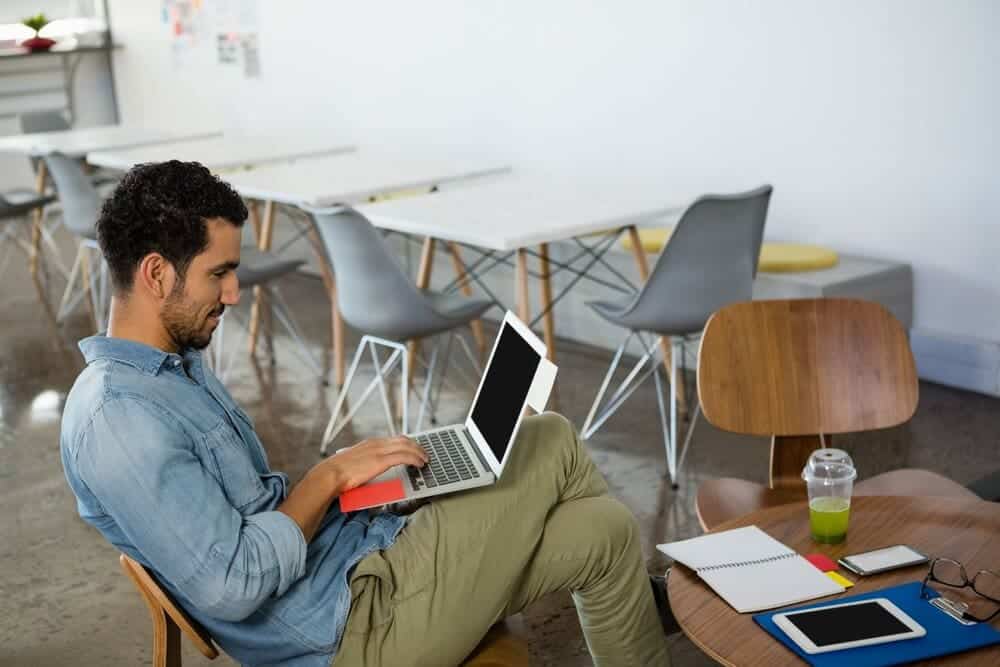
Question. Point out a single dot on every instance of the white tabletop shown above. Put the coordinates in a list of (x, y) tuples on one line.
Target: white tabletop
[(522, 209), (354, 177), (220, 153), (79, 142)]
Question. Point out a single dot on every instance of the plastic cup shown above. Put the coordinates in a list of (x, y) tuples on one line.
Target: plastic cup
[(829, 475)]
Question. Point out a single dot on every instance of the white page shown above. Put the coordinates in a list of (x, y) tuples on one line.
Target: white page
[(731, 546), (772, 584)]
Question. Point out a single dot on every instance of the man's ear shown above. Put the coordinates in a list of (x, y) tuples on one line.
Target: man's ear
[(156, 276)]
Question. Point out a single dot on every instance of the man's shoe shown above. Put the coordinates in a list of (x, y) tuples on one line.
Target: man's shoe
[(659, 586)]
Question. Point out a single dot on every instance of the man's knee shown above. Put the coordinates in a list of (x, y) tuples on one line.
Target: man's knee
[(610, 528), (549, 430)]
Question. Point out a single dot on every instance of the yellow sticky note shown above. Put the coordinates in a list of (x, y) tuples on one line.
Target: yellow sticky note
[(843, 581)]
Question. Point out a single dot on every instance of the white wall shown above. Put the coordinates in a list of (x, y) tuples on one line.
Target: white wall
[(875, 121)]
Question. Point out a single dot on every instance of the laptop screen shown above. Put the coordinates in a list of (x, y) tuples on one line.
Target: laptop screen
[(504, 390)]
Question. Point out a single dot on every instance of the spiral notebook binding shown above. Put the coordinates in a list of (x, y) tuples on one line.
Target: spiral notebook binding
[(771, 559)]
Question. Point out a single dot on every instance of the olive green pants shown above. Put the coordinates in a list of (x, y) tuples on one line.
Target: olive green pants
[(467, 560)]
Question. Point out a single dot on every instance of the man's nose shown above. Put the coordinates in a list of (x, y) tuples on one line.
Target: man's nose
[(231, 292)]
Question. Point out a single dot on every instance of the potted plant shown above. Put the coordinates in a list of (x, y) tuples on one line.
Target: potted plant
[(37, 43)]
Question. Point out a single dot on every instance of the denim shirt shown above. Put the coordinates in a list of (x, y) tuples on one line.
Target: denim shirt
[(167, 467)]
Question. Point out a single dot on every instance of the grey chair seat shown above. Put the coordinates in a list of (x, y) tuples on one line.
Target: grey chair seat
[(15, 203), (623, 314), (257, 267), (457, 307)]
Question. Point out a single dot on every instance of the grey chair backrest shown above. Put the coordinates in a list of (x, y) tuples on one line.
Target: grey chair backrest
[(709, 261), (43, 121), (50, 120), (374, 293), (81, 202)]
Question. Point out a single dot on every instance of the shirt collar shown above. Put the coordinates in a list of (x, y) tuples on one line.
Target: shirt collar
[(146, 358)]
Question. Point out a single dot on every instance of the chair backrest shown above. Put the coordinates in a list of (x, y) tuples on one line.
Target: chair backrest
[(804, 368), (709, 261), (81, 202), (165, 612), (374, 294), (49, 120)]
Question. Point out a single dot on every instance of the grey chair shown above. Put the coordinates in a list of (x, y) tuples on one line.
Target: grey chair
[(262, 269), (17, 206), (81, 206), (709, 262), (377, 298)]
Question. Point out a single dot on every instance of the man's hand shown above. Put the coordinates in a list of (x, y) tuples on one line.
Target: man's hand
[(356, 465), (348, 468)]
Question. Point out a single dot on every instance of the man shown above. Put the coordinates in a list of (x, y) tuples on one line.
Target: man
[(169, 469)]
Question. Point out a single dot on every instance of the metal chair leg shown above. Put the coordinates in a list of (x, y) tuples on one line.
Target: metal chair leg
[(335, 425), (428, 384), (604, 385)]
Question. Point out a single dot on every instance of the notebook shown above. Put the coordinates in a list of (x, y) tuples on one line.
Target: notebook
[(751, 570)]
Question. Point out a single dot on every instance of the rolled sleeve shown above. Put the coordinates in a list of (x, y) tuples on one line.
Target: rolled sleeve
[(289, 545)]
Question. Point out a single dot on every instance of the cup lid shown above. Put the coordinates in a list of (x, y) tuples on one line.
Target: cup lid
[(829, 466)]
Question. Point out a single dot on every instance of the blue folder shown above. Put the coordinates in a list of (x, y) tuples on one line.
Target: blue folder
[(944, 635)]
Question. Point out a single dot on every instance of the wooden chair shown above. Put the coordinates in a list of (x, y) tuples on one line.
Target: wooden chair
[(168, 619), (801, 371), (500, 647)]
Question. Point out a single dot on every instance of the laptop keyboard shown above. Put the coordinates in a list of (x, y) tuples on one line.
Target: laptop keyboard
[(447, 462)]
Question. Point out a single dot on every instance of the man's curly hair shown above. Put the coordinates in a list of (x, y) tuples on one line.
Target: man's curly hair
[(162, 208)]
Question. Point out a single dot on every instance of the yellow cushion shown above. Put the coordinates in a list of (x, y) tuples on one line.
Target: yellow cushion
[(795, 257), (652, 239), (774, 257)]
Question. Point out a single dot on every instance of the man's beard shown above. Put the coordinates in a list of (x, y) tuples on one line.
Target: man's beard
[(181, 324)]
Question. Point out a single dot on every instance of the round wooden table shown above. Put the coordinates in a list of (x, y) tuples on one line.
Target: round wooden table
[(966, 530)]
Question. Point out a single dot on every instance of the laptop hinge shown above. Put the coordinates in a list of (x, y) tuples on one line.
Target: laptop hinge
[(475, 448)]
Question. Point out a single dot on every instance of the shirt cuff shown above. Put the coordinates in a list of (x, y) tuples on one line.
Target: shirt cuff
[(288, 542)]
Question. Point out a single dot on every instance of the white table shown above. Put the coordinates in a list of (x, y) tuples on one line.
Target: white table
[(521, 210), (78, 143), (347, 179), (357, 177), (224, 152)]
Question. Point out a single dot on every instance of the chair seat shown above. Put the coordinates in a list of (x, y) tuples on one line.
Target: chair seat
[(503, 646), (455, 306), (912, 482), (620, 314), (18, 202), (257, 267), (723, 499)]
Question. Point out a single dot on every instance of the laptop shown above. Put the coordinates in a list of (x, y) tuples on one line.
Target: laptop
[(473, 454)]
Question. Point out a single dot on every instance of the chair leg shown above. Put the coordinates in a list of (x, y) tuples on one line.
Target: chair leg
[(64, 303), (337, 424), (604, 386), (445, 363), (668, 443), (284, 315), (383, 391), (627, 387), (428, 384), (166, 642)]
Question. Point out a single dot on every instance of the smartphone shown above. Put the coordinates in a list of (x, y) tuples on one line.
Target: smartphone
[(883, 560)]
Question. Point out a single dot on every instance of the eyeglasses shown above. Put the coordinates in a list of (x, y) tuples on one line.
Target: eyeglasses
[(986, 584)]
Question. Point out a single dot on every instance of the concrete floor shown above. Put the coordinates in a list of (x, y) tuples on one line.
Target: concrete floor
[(63, 599)]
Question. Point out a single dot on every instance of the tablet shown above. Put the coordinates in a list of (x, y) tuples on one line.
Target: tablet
[(849, 625)]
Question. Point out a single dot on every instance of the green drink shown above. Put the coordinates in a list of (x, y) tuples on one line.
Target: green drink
[(828, 516)]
